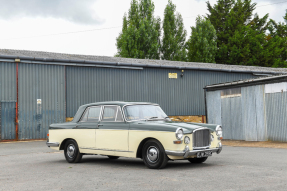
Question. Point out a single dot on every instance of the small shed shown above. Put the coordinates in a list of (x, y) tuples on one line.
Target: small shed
[(251, 110)]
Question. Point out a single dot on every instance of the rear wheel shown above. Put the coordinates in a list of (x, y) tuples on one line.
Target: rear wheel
[(197, 160), (72, 152), (113, 157), (153, 155)]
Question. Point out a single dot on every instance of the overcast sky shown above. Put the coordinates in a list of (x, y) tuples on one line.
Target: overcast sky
[(32, 24)]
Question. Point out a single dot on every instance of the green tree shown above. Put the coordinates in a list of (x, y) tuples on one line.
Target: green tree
[(202, 44), (242, 37), (278, 33), (140, 35), (228, 16), (174, 35)]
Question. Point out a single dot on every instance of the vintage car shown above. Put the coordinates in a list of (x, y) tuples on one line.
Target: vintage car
[(133, 129)]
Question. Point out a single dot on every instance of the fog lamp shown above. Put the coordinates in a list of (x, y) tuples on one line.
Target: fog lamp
[(186, 140)]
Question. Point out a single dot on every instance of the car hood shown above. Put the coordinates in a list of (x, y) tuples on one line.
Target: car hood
[(168, 126)]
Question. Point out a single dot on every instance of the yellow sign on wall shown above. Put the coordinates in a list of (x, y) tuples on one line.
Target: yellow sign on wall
[(172, 75)]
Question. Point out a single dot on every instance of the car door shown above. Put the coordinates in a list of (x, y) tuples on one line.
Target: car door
[(112, 135), (86, 127)]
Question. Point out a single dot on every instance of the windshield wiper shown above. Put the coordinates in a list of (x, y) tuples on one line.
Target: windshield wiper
[(152, 118)]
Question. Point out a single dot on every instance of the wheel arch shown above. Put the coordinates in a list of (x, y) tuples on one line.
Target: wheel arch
[(62, 145), (140, 147)]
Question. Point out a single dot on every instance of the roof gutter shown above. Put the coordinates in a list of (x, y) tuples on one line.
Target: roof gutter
[(86, 63), (256, 81)]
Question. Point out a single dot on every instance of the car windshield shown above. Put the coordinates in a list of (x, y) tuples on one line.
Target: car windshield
[(144, 112)]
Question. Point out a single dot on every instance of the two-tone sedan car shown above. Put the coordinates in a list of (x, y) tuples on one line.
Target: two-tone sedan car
[(136, 130)]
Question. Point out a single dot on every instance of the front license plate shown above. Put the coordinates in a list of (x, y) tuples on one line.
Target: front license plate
[(204, 154)]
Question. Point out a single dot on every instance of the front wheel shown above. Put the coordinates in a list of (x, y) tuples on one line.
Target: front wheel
[(153, 155), (197, 160), (72, 152)]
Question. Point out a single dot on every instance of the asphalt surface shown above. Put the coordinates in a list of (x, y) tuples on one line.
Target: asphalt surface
[(33, 166)]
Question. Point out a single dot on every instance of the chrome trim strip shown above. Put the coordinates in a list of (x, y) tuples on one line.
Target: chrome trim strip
[(174, 153), (106, 149), (52, 144)]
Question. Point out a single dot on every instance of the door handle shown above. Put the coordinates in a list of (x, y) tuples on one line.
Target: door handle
[(100, 125)]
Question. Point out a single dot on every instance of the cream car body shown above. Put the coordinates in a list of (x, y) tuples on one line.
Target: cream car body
[(112, 131)]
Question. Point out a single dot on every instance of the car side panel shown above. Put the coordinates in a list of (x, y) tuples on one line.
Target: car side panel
[(164, 137), (85, 138)]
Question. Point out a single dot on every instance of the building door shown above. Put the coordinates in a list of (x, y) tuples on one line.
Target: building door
[(7, 120)]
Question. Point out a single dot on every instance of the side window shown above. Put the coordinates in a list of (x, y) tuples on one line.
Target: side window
[(94, 114), (119, 115), (109, 113)]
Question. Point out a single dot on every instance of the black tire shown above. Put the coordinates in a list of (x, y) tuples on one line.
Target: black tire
[(72, 152), (153, 155), (113, 157), (197, 160)]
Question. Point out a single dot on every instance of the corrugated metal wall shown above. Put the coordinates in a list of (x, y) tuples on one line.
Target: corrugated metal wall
[(255, 116), (8, 81), (276, 116), (213, 104), (8, 98), (231, 113), (253, 113), (181, 96), (7, 120), (45, 82)]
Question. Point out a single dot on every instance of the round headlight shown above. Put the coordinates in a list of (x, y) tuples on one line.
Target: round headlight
[(211, 137), (186, 140), (218, 131), (179, 133)]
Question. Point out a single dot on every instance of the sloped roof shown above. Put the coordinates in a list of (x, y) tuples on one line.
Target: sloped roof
[(70, 58), (248, 82)]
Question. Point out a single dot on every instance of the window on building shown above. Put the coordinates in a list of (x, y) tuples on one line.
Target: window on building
[(233, 92)]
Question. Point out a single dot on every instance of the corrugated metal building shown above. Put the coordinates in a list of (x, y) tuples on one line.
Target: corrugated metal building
[(251, 110), (40, 88)]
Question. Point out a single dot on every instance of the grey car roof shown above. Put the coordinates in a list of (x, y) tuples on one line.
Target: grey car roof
[(51, 56), (120, 103)]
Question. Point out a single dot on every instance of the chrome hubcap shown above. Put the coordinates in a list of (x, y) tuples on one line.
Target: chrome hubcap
[(71, 150), (152, 154)]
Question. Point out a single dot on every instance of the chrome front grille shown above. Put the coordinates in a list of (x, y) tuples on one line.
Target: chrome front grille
[(201, 138)]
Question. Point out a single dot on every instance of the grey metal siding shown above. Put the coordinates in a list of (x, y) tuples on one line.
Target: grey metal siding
[(7, 81), (213, 102), (45, 82), (242, 117), (181, 96), (7, 121), (231, 114), (253, 113), (276, 116)]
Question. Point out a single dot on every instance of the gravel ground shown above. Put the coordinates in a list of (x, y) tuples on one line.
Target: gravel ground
[(33, 166), (263, 144)]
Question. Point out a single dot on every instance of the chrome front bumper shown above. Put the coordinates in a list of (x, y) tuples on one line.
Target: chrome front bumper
[(186, 153), (51, 144)]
